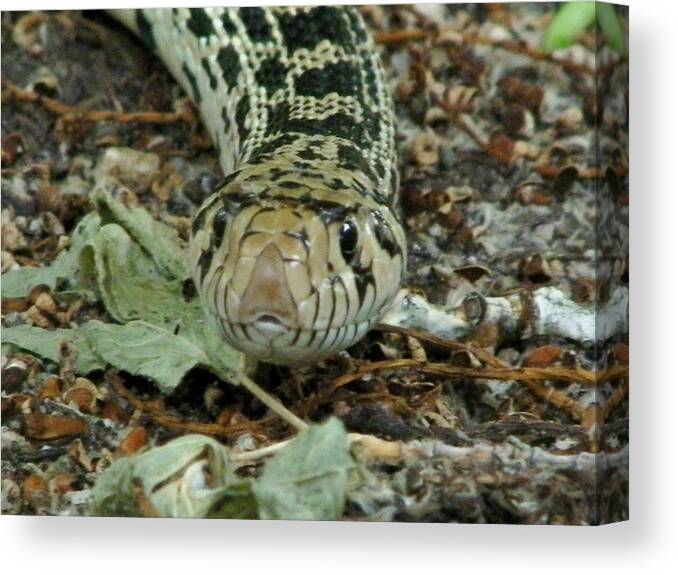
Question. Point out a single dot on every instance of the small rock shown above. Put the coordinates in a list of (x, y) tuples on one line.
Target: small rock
[(129, 167)]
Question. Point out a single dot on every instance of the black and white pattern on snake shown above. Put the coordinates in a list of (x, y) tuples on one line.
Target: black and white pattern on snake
[(300, 251)]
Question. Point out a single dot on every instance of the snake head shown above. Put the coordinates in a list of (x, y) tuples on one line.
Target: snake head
[(292, 273)]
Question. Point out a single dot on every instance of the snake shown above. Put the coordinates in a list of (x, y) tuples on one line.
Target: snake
[(300, 250)]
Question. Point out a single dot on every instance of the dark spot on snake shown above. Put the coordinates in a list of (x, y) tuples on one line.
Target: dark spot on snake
[(372, 123), (226, 181), (219, 226), (188, 290), (351, 158), (227, 23), (199, 219), (200, 23), (302, 166), (384, 235), (340, 77), (381, 170), (236, 201), (356, 26), (192, 81), (309, 154), (255, 22), (204, 262), (145, 31), (213, 80), (271, 75), (330, 212), (340, 125), (307, 29), (363, 278), (371, 81), (241, 111), (278, 116), (380, 198), (335, 184), (272, 146), (229, 62)]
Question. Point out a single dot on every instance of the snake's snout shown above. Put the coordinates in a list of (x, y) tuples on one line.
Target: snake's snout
[(267, 300)]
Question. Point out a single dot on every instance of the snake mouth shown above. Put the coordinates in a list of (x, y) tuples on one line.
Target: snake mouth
[(269, 319), (269, 339)]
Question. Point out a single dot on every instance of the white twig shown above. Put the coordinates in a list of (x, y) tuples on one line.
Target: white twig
[(544, 312)]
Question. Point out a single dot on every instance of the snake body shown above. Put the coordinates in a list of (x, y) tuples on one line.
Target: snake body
[(300, 251)]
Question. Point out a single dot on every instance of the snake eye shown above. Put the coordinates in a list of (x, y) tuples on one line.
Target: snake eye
[(348, 239)]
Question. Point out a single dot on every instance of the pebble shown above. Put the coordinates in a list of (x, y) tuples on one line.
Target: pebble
[(128, 167)]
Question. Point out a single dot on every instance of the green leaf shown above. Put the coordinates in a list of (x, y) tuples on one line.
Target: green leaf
[(569, 23), (45, 343), (132, 288), (159, 240), (62, 273), (182, 478), (307, 480), (127, 280), (17, 283), (141, 348), (235, 502), (611, 27)]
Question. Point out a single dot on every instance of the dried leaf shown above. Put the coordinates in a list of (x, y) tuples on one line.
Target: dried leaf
[(47, 343), (157, 239), (127, 280), (46, 427), (183, 478), (308, 480), (62, 274), (143, 349)]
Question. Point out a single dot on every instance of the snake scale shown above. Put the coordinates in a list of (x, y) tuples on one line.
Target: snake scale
[(300, 250)]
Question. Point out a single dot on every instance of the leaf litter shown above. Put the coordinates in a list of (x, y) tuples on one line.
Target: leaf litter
[(160, 335)]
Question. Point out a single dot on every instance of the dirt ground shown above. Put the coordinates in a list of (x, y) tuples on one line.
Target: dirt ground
[(514, 176)]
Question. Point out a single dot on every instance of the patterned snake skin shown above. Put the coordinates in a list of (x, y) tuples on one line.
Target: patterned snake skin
[(300, 250)]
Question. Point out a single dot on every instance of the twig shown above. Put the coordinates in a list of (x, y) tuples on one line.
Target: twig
[(392, 37), (615, 399), (272, 403), (375, 447), (402, 36), (12, 94), (521, 374), (175, 423), (554, 397)]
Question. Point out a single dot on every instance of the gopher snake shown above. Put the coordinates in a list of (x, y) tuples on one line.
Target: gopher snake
[(300, 250)]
